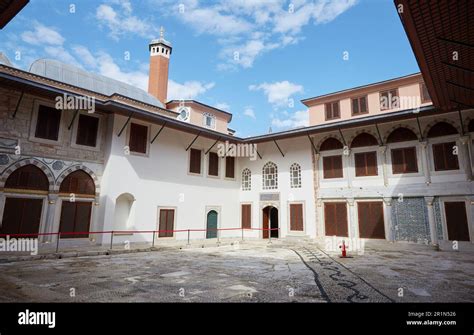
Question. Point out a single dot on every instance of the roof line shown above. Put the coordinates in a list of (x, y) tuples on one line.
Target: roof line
[(360, 87)]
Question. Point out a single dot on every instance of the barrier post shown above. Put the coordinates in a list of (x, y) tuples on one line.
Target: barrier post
[(242, 233), (218, 234), (57, 242), (188, 235), (269, 235), (111, 240), (153, 243)]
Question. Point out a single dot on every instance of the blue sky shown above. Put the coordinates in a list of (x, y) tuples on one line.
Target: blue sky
[(250, 57)]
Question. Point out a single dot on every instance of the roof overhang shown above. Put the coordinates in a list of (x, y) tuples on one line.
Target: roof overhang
[(9, 9), (441, 34)]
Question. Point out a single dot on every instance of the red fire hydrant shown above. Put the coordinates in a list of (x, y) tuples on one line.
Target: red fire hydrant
[(343, 249)]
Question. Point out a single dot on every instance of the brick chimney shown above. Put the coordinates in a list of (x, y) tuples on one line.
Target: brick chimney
[(160, 52)]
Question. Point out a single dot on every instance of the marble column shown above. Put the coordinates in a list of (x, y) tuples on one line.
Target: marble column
[(466, 157), (50, 216), (352, 222), (431, 220), (383, 153), (387, 213), (426, 161)]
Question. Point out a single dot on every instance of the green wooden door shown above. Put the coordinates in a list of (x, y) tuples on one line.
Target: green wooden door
[(211, 225)]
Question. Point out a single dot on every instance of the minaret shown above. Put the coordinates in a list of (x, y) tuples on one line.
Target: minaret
[(160, 52)]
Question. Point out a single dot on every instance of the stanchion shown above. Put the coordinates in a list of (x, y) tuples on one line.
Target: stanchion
[(153, 243), (242, 233), (57, 242), (111, 240), (189, 233)]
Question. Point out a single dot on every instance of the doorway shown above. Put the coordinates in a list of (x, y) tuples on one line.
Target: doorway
[(211, 231), (270, 221)]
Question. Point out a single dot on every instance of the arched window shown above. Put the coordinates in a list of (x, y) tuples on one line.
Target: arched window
[(441, 129), (295, 175), (123, 216), (331, 144), (78, 182), (28, 177), (270, 176), (363, 140), (401, 135), (209, 120), (246, 180)]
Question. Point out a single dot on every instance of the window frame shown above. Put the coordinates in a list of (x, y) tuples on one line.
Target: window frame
[(212, 117), (380, 99), (208, 160), (225, 168), (75, 130), (200, 162), (366, 151), (241, 217), (275, 174), (303, 218), (334, 154), (445, 141), (299, 184), (338, 102), (129, 129), (403, 148), (358, 103), (34, 121), (249, 180)]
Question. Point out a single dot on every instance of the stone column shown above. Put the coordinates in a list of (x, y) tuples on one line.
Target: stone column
[(387, 213), (2, 207), (50, 216), (353, 226), (347, 166), (426, 162), (383, 153), (431, 220), (466, 157)]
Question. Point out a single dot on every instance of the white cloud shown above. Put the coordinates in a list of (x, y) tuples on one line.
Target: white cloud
[(223, 106), (61, 54), (296, 120), (187, 90), (249, 112), (278, 93), (85, 55), (120, 21), (41, 35)]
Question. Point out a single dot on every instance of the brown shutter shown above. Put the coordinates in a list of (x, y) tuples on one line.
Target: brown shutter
[(371, 160), (438, 157), (229, 167), (456, 220), (411, 164), (337, 166), (87, 128), (341, 219), (451, 158), (138, 138), (335, 110), (355, 106), (363, 105), (246, 216), (371, 222), (195, 161), (328, 111), (360, 168), (327, 167), (397, 161), (48, 123), (296, 217), (213, 169), (330, 219), (332, 167)]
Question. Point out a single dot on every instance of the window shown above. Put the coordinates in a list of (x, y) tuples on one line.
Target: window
[(195, 161), (270, 176), (246, 216), (213, 167), (28, 177), (78, 182), (335, 219), (332, 167), (295, 175), (138, 138), (229, 167), (444, 157), (363, 140), (87, 127), (296, 217), (246, 180), (209, 120), (48, 123), (166, 224), (401, 134), (389, 99), (425, 95), (332, 110), (365, 164), (331, 144), (442, 129), (359, 106), (404, 160)]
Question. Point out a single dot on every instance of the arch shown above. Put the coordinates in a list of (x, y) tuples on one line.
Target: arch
[(79, 182), (124, 211), (28, 177), (438, 120), (363, 140), (270, 221), (84, 168), (441, 128), (470, 126), (46, 170), (211, 224), (295, 175), (246, 179), (401, 134), (270, 176), (330, 143)]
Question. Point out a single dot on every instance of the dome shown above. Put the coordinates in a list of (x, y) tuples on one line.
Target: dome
[(75, 76)]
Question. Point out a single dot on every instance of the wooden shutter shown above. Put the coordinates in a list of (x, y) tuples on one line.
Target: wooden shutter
[(246, 216), (438, 156), (355, 106), (327, 167), (452, 162), (213, 169), (360, 169), (332, 167), (337, 166), (363, 105), (166, 224), (335, 110), (229, 167), (330, 219), (328, 110), (371, 158), (75, 217), (138, 138), (443, 156), (411, 163), (87, 128), (296, 217), (456, 220), (21, 216), (397, 161), (335, 219), (371, 222), (366, 164), (48, 123), (195, 161)]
